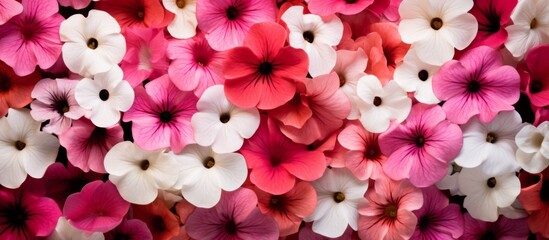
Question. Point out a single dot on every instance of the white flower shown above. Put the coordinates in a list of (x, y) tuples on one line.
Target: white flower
[(105, 95), (139, 174), (491, 145), (205, 173), (220, 124), (530, 26), (486, 193), (93, 44), (413, 75), (316, 36), (65, 231), (350, 66), (436, 27), (379, 105), (515, 211), (533, 147), (338, 192), (450, 181), (184, 23), (24, 148)]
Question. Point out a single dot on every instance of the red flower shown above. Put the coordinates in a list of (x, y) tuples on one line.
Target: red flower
[(137, 13), (15, 91), (534, 197)]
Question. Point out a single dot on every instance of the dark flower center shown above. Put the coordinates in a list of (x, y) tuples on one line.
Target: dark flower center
[(420, 141), (231, 227), (266, 68), (351, 1), (144, 164), (491, 138), (165, 116), (342, 79), (232, 13), (277, 203), (533, 23), (62, 106), (544, 192), (121, 236), (97, 137), (536, 86), (373, 152), (423, 223), (309, 36), (181, 3), (209, 162), (491, 182), (339, 197), (391, 211), (473, 86), (455, 168), (436, 23), (141, 15), (157, 224), (423, 75), (104, 94), (20, 145), (5, 83), (16, 215), (377, 101), (225, 117), (92, 43), (489, 236)]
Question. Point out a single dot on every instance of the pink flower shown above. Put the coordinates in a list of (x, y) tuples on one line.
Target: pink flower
[(145, 55), (136, 13), (87, 144), (364, 157), (386, 212), (161, 116), (76, 4), (234, 217), (326, 105), (97, 208), (195, 65), (275, 171), (503, 228), (32, 37), (262, 72), (421, 148), (476, 84), (15, 91), (8, 9), (535, 76), (130, 229), (492, 16), (437, 219), (346, 7), (219, 19)]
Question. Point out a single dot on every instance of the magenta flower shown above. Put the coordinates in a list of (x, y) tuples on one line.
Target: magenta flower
[(226, 22), (535, 76), (492, 16), (130, 229), (476, 84), (437, 219), (161, 116), (503, 228), (87, 144), (97, 208), (421, 148), (32, 37), (234, 217), (8, 9)]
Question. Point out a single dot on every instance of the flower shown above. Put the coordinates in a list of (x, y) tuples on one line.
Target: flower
[(532, 150), (346, 7), (476, 84), (234, 217), (25, 149), (98, 207), (485, 193), (449, 182), (275, 171), (350, 66), (65, 231), (31, 38), (435, 28), (55, 102), (139, 174), (161, 222), (316, 36), (161, 116), (105, 96), (437, 219), (9, 9), (534, 80), (76, 4), (529, 27), (136, 13), (288, 209), (92, 45), (379, 105), (15, 91), (204, 173), (262, 72), (364, 157), (220, 124), (493, 17), (503, 228), (131, 229), (386, 213), (413, 75), (218, 19), (421, 148), (184, 24), (491, 145), (534, 197)]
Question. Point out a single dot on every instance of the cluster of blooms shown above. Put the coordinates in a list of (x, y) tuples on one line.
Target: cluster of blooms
[(265, 119)]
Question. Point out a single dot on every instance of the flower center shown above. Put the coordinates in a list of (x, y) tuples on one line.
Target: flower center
[(141, 15), (232, 13), (309, 36), (391, 211), (104, 95), (455, 168), (491, 138), (423, 222), (225, 117), (92, 43), (342, 79), (473, 86), (144, 164), (436, 23), (489, 236), (20, 145), (62, 106), (158, 224), (351, 1), (533, 23), (423, 75), (180, 3), (165, 116), (339, 197), (231, 227), (377, 101), (5, 83), (209, 162), (373, 152), (420, 141), (491, 182), (16, 215), (265, 68), (544, 192), (277, 203), (536, 87)]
